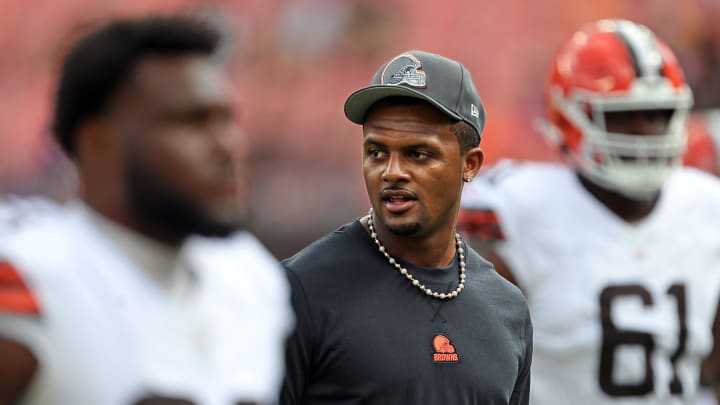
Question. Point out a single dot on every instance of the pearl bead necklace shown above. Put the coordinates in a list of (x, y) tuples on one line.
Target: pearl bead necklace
[(413, 280)]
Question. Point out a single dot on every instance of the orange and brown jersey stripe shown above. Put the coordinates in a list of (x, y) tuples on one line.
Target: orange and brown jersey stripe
[(482, 224), (15, 296)]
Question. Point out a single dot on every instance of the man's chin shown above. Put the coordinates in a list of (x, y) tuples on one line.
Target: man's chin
[(185, 219), (407, 229), (220, 221), (216, 229), (219, 226)]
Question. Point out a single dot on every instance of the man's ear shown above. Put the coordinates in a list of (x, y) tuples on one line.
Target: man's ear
[(473, 160), (92, 141)]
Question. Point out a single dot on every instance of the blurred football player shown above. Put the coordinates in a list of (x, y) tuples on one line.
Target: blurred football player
[(618, 252), (147, 291)]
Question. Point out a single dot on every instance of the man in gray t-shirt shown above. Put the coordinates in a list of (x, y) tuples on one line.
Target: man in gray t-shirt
[(394, 308)]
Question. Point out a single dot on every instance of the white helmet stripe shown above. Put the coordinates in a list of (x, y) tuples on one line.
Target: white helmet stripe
[(643, 48)]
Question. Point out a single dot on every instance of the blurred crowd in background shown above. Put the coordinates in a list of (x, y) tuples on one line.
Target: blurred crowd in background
[(295, 61)]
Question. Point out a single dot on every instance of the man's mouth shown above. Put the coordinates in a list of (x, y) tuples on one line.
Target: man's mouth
[(398, 201)]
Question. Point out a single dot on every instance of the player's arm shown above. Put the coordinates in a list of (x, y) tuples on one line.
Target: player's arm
[(481, 229), (17, 368)]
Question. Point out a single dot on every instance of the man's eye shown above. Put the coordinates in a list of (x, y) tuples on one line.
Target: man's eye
[(418, 155), (374, 152)]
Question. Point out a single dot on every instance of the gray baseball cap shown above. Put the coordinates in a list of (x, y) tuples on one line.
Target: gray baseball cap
[(440, 81)]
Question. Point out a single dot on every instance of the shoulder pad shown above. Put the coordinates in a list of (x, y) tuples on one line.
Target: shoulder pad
[(480, 224), (15, 296)]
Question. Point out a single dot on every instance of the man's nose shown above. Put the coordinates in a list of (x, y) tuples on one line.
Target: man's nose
[(395, 169)]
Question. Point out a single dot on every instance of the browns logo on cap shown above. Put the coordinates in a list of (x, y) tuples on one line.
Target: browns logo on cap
[(404, 69), (442, 82)]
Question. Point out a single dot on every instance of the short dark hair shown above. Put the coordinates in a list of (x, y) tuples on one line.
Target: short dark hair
[(101, 62), (467, 136)]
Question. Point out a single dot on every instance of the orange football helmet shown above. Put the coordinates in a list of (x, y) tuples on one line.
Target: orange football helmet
[(610, 66)]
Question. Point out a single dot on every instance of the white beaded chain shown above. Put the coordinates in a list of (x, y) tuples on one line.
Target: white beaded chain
[(413, 280)]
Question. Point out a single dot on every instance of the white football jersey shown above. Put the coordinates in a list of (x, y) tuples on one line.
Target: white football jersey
[(622, 312), (106, 331)]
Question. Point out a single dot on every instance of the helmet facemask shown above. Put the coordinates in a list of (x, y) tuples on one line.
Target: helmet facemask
[(633, 165)]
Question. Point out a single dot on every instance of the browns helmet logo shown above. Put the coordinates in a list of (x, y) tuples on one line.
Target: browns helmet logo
[(404, 69), (444, 350)]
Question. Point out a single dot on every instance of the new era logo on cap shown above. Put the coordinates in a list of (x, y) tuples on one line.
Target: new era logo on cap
[(440, 81), (404, 69)]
